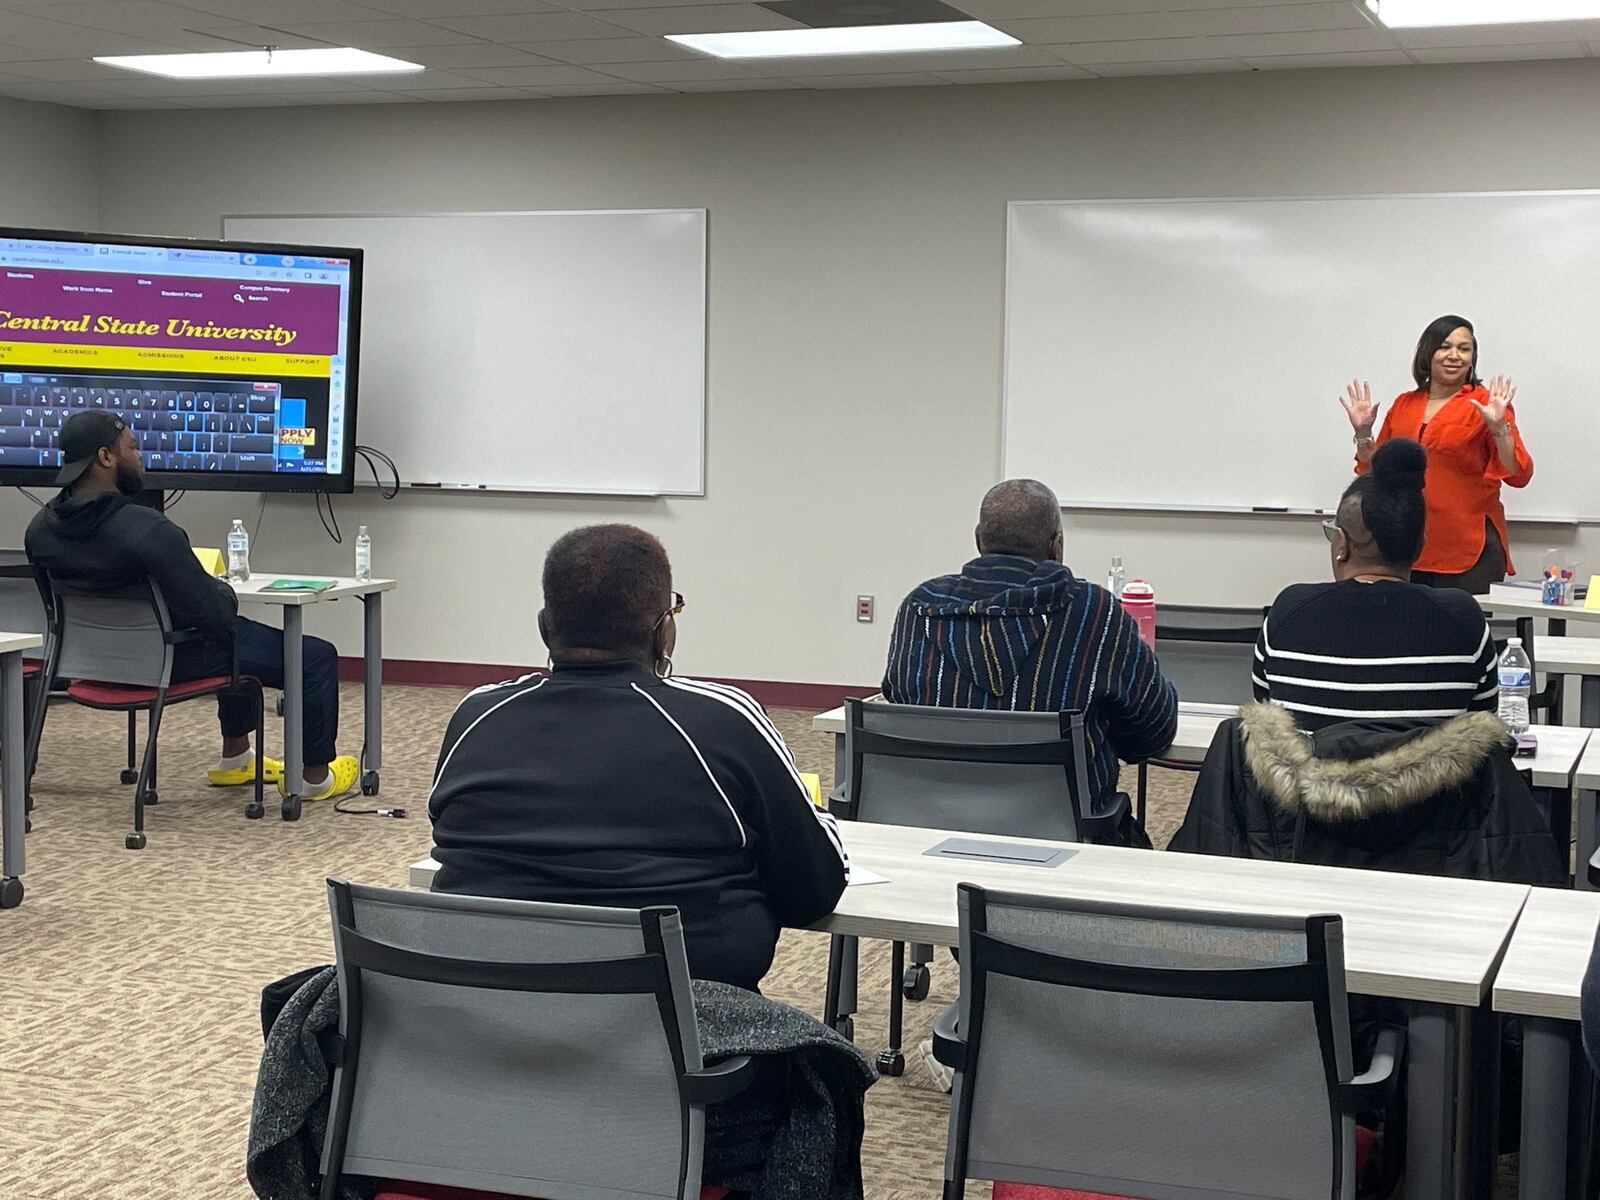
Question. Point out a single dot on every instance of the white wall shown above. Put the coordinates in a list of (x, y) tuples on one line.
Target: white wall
[(856, 267)]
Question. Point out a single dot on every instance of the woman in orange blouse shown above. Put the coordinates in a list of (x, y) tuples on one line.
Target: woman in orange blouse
[(1470, 433)]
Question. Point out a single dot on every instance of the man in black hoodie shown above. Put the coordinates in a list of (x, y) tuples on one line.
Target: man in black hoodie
[(91, 535)]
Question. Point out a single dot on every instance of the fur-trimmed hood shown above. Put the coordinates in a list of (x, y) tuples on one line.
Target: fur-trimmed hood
[(1411, 765)]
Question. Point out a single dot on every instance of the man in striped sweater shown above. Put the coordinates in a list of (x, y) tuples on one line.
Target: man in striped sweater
[(1017, 630)]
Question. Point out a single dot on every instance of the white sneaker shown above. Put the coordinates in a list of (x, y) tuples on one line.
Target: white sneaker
[(943, 1077)]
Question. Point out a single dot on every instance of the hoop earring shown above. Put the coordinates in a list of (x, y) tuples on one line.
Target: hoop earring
[(660, 672)]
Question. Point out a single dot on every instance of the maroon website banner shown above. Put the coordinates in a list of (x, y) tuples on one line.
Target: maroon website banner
[(90, 308)]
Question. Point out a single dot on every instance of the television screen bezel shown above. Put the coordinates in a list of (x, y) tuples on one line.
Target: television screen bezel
[(221, 481)]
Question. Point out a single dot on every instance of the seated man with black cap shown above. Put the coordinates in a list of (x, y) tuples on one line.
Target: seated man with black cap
[(91, 535)]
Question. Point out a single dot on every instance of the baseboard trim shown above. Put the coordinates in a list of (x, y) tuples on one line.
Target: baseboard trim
[(420, 673)]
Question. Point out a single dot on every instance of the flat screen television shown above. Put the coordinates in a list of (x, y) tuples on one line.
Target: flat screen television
[(234, 364)]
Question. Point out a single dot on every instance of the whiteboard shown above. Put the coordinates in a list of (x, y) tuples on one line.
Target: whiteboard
[(1191, 353), (528, 351)]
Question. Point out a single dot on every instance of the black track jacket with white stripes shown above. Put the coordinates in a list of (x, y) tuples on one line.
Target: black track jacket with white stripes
[(602, 784)]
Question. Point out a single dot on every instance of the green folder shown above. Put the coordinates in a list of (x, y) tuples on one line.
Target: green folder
[(299, 585)]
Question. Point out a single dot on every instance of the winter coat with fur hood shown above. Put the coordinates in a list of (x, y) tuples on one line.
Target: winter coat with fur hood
[(1434, 798)]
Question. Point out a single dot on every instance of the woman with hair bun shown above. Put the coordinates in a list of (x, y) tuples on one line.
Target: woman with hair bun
[(1373, 645), (1470, 434)]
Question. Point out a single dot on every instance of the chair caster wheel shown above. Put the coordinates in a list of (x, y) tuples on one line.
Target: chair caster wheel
[(129, 777), (891, 1063), (915, 984), (152, 797), (845, 1027), (10, 892), (134, 841), (291, 808), (254, 811), (369, 783)]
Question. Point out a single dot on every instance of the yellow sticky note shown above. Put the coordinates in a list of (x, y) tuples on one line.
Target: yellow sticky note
[(1592, 600), (814, 782), (211, 559)]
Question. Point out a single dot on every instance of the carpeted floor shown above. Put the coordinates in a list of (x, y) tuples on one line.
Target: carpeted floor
[(129, 1032)]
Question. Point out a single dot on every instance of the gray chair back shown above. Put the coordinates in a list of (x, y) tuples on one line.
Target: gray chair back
[(112, 637), (1206, 651), (22, 607), (531, 1049), (1021, 774), (1151, 1052)]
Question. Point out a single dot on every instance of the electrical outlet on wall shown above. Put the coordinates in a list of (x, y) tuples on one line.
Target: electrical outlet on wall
[(864, 609)]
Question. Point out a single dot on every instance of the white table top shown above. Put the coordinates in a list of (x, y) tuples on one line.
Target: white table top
[(1560, 746), (1531, 606), (1587, 776), (1412, 937), (10, 643), (250, 592), (1548, 955), (1569, 655)]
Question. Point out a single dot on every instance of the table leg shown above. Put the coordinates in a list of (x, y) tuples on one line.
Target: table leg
[(1587, 800), (294, 697), (1546, 1096), (13, 780), (840, 1001), (372, 693), (840, 768), (1589, 702), (1432, 1076)]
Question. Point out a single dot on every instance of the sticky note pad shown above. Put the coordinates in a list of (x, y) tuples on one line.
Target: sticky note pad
[(211, 559), (814, 782), (1592, 599)]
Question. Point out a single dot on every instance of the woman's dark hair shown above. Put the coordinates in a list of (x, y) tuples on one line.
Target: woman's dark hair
[(606, 588), (1389, 498), (1432, 338)]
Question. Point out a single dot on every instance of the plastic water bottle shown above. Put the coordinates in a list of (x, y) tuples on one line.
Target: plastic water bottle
[(1516, 685), (1139, 599), (238, 552), (1116, 578), (363, 555)]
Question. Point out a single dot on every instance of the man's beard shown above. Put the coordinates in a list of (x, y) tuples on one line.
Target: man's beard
[(130, 480)]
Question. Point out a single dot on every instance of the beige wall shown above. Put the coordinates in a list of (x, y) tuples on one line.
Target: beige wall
[(856, 270)]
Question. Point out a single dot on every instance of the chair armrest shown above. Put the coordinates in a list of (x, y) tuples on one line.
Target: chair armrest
[(176, 637), (839, 804), (948, 1048), (1105, 824), (1376, 1087), (720, 1081)]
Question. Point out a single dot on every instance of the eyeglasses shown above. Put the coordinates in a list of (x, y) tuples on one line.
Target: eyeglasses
[(1329, 528), (675, 610)]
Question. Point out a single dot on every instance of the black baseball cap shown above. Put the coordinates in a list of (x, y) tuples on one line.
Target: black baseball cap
[(83, 436)]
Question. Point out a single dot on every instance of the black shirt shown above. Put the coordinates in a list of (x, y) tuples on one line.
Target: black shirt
[(602, 784), (1332, 652)]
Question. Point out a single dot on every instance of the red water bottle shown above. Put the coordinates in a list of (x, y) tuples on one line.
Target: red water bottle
[(1139, 601)]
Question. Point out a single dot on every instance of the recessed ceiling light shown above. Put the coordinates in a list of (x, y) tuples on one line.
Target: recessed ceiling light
[(848, 39), (251, 64), (1428, 14)]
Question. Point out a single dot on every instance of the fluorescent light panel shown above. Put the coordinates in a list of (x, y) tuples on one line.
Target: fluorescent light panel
[(1437, 14), (254, 64), (848, 39)]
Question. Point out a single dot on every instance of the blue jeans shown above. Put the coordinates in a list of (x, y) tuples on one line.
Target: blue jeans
[(261, 657)]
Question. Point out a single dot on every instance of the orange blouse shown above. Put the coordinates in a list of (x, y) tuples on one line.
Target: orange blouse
[(1464, 475)]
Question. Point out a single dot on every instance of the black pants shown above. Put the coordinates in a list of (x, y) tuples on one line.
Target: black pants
[(1490, 568), (261, 657)]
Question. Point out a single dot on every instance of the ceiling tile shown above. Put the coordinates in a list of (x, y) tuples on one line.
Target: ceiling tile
[(840, 82), (429, 81), (699, 18), (65, 70), (379, 35), (229, 37), (533, 27), (734, 85), (368, 97), (998, 58), (1122, 27), (1465, 54), (1337, 41), (1017, 75), (1354, 58), (1500, 35), (144, 18), (1012, 10), (614, 88), (454, 95), (1091, 54), (236, 102), (613, 50), (1276, 18), (601, 7), (71, 41), (471, 54), (534, 77), (671, 72), (1175, 66), (428, 9), (283, 12), (836, 64)]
